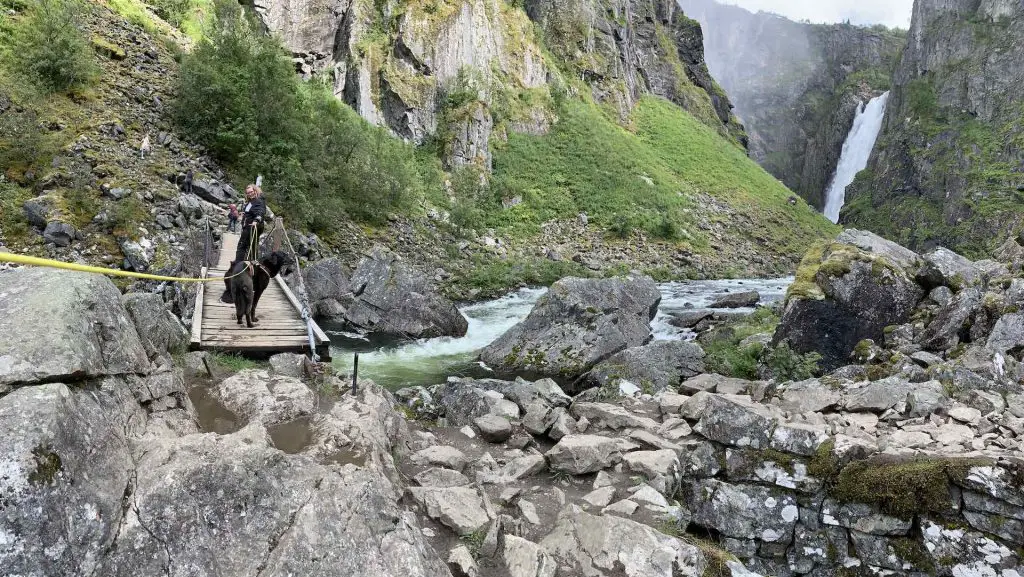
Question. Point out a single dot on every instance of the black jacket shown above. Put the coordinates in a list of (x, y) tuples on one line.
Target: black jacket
[(255, 209)]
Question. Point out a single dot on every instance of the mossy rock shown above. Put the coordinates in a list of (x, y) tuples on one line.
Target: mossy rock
[(108, 49)]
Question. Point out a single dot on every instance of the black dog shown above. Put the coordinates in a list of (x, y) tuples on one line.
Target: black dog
[(246, 284)]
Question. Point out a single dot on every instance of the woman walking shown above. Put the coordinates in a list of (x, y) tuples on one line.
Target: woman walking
[(252, 224)]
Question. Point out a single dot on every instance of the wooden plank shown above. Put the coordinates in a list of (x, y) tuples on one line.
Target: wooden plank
[(197, 314), (277, 235), (318, 334)]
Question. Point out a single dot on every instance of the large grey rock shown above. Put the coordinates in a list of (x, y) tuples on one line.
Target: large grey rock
[(138, 255), (607, 545), (458, 508), (743, 511), (735, 421), (328, 288), (256, 395), (463, 402), (159, 330), (943, 267), (252, 510), (661, 468), (872, 243), (59, 233), (214, 191), (810, 396), (655, 366), (524, 393), (527, 559), (493, 428), (1008, 333), (392, 298), (57, 326), (608, 416), (579, 323), (945, 329), (891, 393), (582, 454), (855, 295), (736, 300), (65, 464)]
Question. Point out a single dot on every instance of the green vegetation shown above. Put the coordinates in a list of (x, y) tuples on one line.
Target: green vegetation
[(234, 363), (726, 357), (493, 277), (48, 466), (903, 487), (784, 364), (239, 96), (50, 49)]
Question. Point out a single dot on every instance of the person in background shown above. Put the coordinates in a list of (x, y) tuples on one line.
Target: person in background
[(232, 217), (189, 177), (252, 223)]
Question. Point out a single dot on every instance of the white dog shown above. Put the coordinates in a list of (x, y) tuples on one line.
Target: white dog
[(145, 148)]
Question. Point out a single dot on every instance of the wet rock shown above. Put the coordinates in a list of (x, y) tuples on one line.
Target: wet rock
[(612, 544), (493, 428), (393, 298), (582, 454), (62, 308), (736, 300), (458, 508), (855, 295), (655, 367), (256, 395), (579, 323), (689, 319)]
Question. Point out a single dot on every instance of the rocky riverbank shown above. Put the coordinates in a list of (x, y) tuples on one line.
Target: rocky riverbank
[(902, 457)]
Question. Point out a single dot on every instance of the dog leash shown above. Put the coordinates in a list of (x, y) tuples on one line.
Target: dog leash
[(49, 263)]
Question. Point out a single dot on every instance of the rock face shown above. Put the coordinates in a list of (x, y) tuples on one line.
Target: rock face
[(390, 297), (475, 44), (657, 366), (579, 323), (57, 326), (843, 296), (955, 96), (796, 86)]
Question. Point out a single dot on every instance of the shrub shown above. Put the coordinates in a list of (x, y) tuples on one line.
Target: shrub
[(785, 364), (50, 48), (172, 11)]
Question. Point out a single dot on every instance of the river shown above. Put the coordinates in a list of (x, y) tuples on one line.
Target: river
[(396, 363)]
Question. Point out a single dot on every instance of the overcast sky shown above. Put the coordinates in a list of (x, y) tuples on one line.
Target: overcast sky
[(888, 12)]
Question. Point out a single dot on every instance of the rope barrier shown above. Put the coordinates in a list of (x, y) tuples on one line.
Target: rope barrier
[(303, 295), (49, 263)]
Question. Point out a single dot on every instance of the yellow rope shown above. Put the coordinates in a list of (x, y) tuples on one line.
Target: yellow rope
[(45, 262)]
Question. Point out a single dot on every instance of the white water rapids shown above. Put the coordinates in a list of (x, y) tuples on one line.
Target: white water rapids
[(394, 363), (856, 150)]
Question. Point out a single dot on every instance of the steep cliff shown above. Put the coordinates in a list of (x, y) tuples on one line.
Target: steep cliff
[(462, 70), (947, 166), (796, 86)]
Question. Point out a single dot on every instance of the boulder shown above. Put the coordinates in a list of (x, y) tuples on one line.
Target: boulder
[(945, 330), (159, 330), (882, 395), (607, 545), (1008, 334), (943, 267), (493, 428), (59, 233), (582, 454), (56, 325), (287, 364), (845, 296), (872, 243), (327, 284), (689, 319), (608, 416), (214, 191), (38, 211), (65, 466), (256, 395), (392, 298), (527, 559), (252, 509), (655, 367), (524, 393), (458, 508), (735, 421), (138, 255), (743, 511), (579, 323), (736, 300), (462, 402), (440, 477), (440, 455), (190, 207)]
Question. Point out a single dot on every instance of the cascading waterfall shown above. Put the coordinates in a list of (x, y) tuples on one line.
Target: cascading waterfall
[(856, 150)]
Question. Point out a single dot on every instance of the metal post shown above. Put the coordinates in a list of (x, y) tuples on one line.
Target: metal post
[(355, 371)]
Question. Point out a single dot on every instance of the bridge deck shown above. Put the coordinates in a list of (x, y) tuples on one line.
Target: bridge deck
[(280, 330)]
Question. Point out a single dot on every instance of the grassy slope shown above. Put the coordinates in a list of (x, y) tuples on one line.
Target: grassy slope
[(662, 166)]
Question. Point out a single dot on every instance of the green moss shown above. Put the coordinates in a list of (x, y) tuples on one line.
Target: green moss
[(903, 487), (108, 49), (910, 550), (824, 465), (48, 466)]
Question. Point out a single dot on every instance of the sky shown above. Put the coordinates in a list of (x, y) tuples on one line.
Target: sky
[(892, 13)]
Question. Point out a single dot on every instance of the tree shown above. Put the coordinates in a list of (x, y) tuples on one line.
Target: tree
[(50, 48)]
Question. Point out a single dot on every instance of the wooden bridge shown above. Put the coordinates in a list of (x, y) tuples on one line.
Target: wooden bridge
[(281, 328)]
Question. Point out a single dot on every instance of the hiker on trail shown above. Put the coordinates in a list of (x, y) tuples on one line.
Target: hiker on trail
[(189, 177), (144, 149), (252, 223), (232, 217)]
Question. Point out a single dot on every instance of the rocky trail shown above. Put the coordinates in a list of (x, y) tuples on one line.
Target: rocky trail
[(127, 456)]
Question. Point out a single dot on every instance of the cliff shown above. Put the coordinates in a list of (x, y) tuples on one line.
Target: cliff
[(464, 70), (946, 168), (796, 86)]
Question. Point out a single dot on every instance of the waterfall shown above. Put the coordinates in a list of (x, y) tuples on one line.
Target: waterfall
[(856, 151)]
